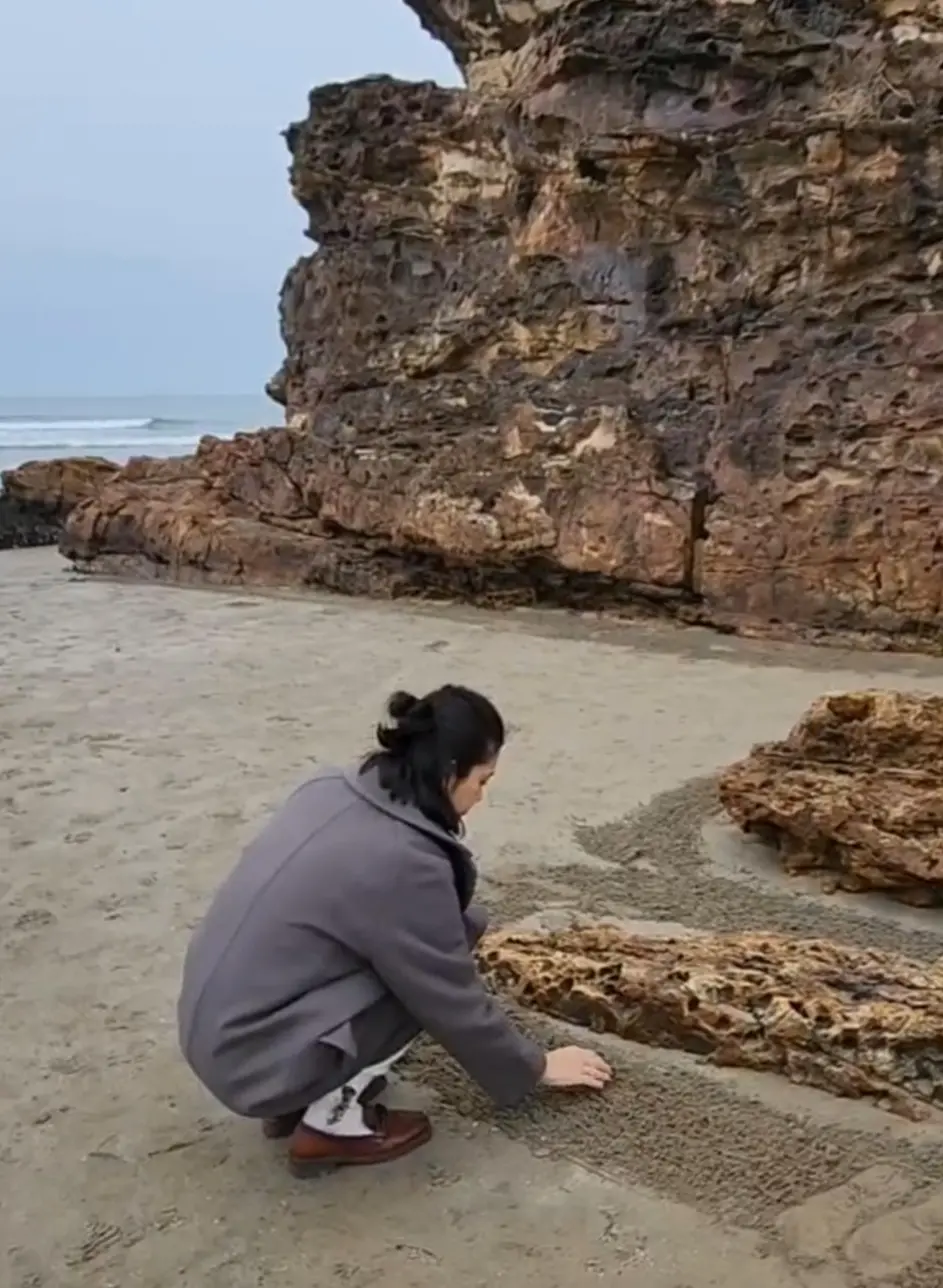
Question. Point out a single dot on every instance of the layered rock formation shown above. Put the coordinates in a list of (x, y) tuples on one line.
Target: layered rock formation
[(855, 792), (36, 498), (649, 313), (852, 1022)]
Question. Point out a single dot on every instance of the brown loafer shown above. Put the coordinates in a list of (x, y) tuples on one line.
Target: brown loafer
[(394, 1134), (282, 1127)]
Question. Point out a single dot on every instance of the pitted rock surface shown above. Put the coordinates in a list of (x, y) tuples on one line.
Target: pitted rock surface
[(648, 314), (855, 791), (849, 1021)]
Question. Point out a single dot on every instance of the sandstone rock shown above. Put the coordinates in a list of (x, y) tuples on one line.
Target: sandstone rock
[(855, 791), (846, 1020), (651, 313), (36, 497)]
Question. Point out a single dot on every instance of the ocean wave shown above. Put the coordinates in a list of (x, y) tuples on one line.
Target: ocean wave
[(90, 447), (12, 425), (86, 435)]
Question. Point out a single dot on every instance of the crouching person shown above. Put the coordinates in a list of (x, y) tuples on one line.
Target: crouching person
[(348, 928)]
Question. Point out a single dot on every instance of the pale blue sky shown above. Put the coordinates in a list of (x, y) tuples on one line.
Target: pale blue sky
[(145, 216)]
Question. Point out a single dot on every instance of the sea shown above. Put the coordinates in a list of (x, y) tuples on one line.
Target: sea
[(118, 428)]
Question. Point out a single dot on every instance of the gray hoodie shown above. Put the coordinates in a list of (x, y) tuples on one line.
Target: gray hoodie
[(346, 898)]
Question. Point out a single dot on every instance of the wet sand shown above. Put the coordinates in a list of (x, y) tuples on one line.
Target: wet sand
[(144, 732)]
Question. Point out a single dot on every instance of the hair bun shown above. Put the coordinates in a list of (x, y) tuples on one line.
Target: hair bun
[(408, 718), (401, 705)]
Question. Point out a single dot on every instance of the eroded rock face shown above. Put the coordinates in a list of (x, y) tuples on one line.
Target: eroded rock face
[(36, 498), (855, 792), (848, 1021), (651, 312)]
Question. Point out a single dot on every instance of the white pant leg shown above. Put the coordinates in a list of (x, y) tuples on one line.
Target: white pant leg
[(340, 1112)]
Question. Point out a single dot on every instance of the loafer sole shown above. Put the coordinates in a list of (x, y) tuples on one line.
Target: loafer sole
[(306, 1169)]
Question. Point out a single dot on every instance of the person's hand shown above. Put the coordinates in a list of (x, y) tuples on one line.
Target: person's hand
[(576, 1067)]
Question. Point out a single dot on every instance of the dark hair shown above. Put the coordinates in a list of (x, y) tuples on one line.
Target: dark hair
[(426, 743)]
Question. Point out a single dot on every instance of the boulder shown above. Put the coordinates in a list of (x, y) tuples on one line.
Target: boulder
[(855, 792), (649, 314), (36, 498), (850, 1021)]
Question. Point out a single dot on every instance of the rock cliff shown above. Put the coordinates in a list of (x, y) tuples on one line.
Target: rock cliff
[(649, 313), (855, 793), (36, 498)]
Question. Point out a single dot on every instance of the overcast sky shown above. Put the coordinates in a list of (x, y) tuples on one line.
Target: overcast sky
[(145, 216)]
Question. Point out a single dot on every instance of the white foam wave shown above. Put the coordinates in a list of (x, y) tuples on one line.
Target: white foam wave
[(90, 446), (57, 426)]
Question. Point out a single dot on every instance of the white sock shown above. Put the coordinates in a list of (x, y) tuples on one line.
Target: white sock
[(340, 1112)]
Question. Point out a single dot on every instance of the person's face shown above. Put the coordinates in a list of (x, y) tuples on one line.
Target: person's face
[(468, 792)]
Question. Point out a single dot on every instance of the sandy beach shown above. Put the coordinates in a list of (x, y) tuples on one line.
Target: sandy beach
[(145, 731)]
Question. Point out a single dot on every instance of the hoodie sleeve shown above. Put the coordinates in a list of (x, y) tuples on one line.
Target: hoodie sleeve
[(420, 949)]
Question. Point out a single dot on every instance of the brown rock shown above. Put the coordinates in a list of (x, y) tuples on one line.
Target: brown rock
[(651, 313), (849, 1021), (36, 498), (855, 791)]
